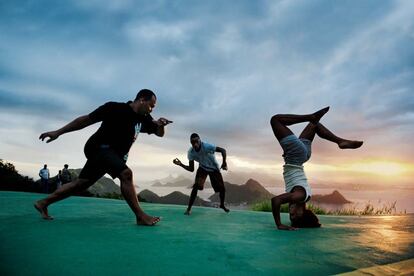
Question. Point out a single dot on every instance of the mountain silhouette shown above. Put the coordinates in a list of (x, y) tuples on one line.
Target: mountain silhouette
[(334, 198), (177, 198), (251, 192)]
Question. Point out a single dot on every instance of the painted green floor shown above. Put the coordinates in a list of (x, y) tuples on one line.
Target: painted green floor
[(91, 236)]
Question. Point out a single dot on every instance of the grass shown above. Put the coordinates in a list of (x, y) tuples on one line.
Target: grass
[(368, 210)]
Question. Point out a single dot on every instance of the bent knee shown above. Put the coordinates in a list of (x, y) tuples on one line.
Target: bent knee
[(126, 175), (82, 183), (275, 120), (275, 200), (200, 188)]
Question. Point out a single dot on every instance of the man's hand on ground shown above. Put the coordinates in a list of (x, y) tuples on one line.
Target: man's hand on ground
[(286, 227)]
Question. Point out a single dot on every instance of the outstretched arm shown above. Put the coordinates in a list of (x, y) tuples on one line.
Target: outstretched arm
[(78, 123), (224, 155), (190, 166), (161, 123), (277, 201)]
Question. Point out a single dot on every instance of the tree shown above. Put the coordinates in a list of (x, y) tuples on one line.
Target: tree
[(11, 180)]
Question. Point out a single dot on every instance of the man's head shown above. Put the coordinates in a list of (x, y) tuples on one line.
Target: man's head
[(296, 210), (146, 100), (45, 166), (66, 166), (301, 217), (195, 141)]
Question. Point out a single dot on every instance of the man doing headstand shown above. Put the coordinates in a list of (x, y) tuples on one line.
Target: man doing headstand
[(297, 151)]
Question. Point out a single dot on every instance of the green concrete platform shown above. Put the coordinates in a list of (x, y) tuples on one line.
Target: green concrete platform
[(91, 236)]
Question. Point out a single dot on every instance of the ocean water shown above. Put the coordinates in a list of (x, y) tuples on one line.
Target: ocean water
[(404, 198)]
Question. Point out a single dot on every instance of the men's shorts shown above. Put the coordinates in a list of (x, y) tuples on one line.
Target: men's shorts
[(296, 151), (216, 180), (102, 161)]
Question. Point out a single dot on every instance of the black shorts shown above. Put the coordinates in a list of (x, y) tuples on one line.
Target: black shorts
[(215, 178), (100, 162)]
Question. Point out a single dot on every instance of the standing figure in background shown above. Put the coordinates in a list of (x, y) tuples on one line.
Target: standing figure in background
[(44, 179), (66, 176), (203, 153), (59, 180)]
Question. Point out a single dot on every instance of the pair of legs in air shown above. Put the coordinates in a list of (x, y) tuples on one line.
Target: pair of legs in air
[(297, 196), (280, 122), (127, 189)]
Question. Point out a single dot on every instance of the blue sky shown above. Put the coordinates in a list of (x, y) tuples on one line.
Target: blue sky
[(219, 68)]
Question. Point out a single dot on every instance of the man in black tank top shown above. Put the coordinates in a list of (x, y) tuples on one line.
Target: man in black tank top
[(107, 149)]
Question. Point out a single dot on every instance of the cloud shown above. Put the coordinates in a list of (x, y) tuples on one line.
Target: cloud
[(156, 32), (219, 68)]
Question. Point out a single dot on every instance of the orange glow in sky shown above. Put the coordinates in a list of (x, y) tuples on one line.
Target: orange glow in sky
[(385, 168)]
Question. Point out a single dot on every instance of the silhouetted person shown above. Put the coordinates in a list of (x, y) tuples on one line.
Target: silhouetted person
[(59, 180), (107, 150), (203, 153), (44, 179), (66, 176), (297, 151)]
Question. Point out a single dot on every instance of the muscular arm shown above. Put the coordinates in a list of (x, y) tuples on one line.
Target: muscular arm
[(190, 166), (79, 123), (160, 131), (224, 155), (161, 123), (277, 201)]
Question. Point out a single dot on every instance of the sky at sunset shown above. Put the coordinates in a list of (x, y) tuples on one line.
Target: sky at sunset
[(221, 69)]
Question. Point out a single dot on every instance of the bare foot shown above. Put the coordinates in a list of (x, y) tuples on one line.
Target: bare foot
[(225, 209), (42, 210), (348, 144), (318, 115), (147, 220), (187, 212)]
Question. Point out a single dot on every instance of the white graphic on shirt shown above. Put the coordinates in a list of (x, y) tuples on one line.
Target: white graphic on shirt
[(137, 130)]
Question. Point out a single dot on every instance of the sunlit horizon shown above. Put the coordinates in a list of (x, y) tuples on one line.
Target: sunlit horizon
[(221, 69), (363, 171)]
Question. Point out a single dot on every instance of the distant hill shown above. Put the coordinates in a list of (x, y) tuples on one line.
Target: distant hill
[(248, 193), (179, 183), (148, 196), (11, 180), (334, 198), (170, 181), (172, 198), (104, 186)]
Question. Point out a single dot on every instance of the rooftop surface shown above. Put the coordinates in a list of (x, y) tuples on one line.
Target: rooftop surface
[(99, 237)]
